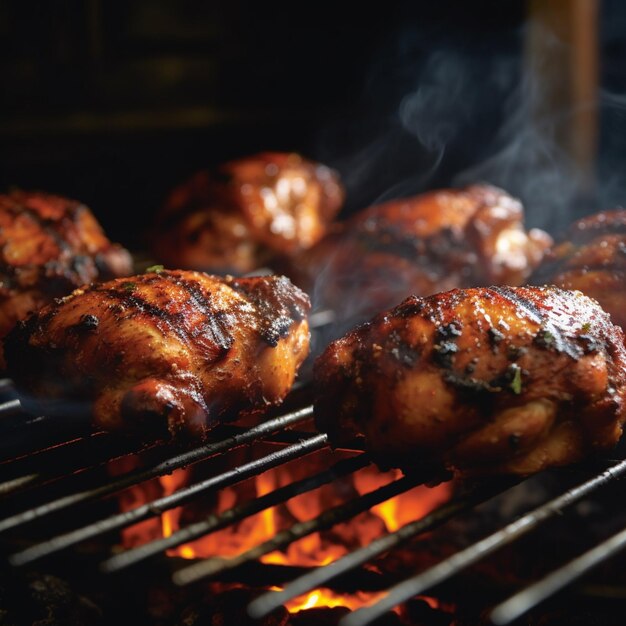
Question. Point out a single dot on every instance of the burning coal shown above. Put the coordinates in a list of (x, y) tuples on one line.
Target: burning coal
[(313, 550)]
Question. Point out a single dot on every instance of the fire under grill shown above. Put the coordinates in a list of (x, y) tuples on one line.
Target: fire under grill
[(52, 470)]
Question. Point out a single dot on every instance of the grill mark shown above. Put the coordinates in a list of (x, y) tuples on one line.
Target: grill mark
[(276, 306), (171, 320), (561, 342), (520, 301), (215, 322)]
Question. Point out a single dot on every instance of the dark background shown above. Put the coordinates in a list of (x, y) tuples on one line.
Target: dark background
[(115, 102)]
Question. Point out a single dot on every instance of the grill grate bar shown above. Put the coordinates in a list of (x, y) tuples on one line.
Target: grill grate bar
[(79, 456), (534, 594), (157, 507), (449, 567), (164, 467), (65, 460), (318, 577), (235, 514), (26, 434), (324, 521), (10, 407)]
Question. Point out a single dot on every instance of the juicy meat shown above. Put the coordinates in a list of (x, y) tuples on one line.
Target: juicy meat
[(247, 212), (49, 245), (592, 258), (164, 352), (484, 380), (420, 245)]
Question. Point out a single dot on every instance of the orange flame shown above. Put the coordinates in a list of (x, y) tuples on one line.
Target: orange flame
[(312, 550)]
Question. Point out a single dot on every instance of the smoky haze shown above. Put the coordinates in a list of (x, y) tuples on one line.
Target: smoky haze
[(441, 111)]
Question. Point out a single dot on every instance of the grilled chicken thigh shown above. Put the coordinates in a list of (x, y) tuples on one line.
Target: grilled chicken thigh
[(49, 245), (420, 245), (247, 212), (163, 353), (592, 258), (484, 380)]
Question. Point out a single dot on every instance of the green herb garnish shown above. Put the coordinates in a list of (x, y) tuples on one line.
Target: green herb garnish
[(128, 285), (586, 327), (157, 269), (516, 383)]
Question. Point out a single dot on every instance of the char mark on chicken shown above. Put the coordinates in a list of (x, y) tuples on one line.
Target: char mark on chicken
[(420, 245), (164, 353), (484, 380), (49, 245), (592, 258)]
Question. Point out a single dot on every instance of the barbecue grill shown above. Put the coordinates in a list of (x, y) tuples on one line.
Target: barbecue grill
[(49, 469), (145, 105)]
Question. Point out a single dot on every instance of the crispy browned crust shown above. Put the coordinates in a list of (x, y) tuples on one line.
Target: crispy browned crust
[(591, 257), (163, 353), (49, 245), (496, 379), (420, 245), (249, 210)]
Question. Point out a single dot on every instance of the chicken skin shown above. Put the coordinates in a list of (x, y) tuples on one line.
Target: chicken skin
[(420, 245), (164, 353), (239, 218), (486, 380), (592, 258), (49, 245)]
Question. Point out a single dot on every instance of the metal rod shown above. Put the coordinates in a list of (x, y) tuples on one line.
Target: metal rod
[(157, 507), (536, 593), (449, 567), (268, 602), (10, 407), (17, 484), (164, 467), (67, 460), (79, 456), (235, 514), (327, 519), (25, 434)]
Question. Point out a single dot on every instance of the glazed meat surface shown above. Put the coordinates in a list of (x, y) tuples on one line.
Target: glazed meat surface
[(592, 258), (165, 353), (49, 245), (420, 245), (240, 217), (485, 380)]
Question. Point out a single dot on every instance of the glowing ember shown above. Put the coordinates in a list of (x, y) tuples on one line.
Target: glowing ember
[(313, 550), (326, 598)]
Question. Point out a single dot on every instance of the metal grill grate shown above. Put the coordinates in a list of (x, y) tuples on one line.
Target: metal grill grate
[(38, 452)]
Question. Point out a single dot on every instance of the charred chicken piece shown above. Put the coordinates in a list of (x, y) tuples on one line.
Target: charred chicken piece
[(247, 212), (420, 245), (49, 245), (163, 353), (592, 258), (486, 380)]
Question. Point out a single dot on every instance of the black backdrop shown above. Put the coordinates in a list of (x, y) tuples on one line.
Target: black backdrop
[(114, 102)]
